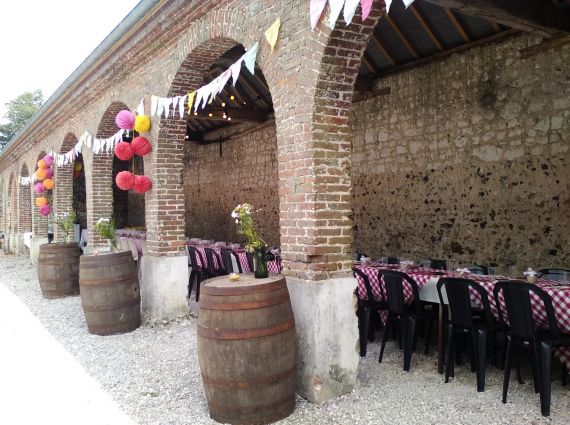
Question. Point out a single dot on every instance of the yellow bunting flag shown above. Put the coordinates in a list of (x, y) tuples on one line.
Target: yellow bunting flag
[(191, 97), (273, 32)]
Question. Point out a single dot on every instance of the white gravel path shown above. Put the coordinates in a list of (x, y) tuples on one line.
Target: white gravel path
[(153, 374)]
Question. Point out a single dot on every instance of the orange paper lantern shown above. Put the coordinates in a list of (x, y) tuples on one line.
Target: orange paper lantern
[(41, 201), (42, 164), (49, 184)]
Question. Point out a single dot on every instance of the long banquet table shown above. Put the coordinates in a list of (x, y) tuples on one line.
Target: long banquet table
[(273, 266), (427, 283)]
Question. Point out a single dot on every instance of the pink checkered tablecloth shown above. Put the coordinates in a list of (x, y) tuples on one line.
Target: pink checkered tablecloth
[(559, 293), (273, 266)]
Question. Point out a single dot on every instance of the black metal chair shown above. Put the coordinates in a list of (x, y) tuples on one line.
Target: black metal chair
[(215, 264), (199, 270), (227, 256), (554, 274), (364, 309), (408, 314), (477, 269), (522, 329), (393, 260), (437, 264), (463, 321)]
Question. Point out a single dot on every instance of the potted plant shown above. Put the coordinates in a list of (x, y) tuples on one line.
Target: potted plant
[(243, 216), (106, 228), (58, 263)]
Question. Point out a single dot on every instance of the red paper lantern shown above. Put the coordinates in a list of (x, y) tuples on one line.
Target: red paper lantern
[(124, 151), (142, 184), (125, 180), (141, 146)]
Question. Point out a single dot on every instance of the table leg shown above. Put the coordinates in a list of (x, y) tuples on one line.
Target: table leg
[(440, 335)]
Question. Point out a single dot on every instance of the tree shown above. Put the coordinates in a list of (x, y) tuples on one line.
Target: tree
[(19, 111)]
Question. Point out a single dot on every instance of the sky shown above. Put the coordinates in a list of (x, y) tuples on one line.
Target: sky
[(43, 41)]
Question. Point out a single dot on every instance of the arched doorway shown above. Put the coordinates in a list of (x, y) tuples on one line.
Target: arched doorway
[(24, 211), (12, 213)]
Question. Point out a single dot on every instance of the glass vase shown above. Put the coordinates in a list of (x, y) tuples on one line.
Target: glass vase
[(260, 269), (113, 246)]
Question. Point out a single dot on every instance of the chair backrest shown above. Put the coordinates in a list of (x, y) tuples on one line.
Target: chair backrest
[(437, 264), (459, 300), (364, 277), (124, 244), (394, 282), (133, 248), (144, 247), (197, 261), (517, 296), (555, 274), (214, 262), (477, 269), (229, 257), (249, 256), (393, 260)]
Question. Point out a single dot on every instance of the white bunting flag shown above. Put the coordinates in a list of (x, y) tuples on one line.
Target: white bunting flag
[(153, 105), (349, 10), (249, 58), (235, 70), (336, 7), (316, 10), (140, 108), (223, 80), (407, 3), (181, 104)]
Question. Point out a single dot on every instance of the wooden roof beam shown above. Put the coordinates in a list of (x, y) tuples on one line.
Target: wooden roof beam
[(380, 46), (427, 28), (542, 18), (366, 60), (403, 38), (457, 25)]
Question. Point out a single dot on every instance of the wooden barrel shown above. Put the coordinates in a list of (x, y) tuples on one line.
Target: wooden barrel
[(58, 269), (110, 293), (247, 349)]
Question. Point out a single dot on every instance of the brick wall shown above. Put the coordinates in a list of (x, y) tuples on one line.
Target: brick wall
[(467, 159), (63, 192), (245, 170), (24, 204)]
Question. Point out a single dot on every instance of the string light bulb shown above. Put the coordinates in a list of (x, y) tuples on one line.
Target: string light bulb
[(223, 104), (195, 113), (229, 118), (232, 97), (210, 114)]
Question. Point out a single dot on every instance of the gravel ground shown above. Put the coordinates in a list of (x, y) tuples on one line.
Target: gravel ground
[(153, 374)]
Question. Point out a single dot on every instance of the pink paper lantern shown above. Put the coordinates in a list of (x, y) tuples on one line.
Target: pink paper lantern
[(48, 159), (49, 173), (125, 120), (39, 187), (45, 210)]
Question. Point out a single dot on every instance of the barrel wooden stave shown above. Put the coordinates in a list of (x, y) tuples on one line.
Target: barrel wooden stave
[(58, 270), (248, 355), (110, 293)]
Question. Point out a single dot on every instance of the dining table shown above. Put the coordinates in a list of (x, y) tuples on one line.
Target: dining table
[(427, 280)]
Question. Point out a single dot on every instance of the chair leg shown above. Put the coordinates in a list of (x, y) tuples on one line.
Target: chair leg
[(385, 336), (564, 375), (191, 283), (409, 332), (481, 357), (450, 352), (544, 372), (428, 336), (518, 367), (198, 282), (363, 323), (508, 365), (534, 355)]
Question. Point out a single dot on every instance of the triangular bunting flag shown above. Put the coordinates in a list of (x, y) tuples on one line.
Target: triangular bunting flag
[(223, 80), (235, 70), (316, 10), (153, 105), (273, 32), (336, 7), (181, 105), (140, 108), (249, 58), (175, 101), (407, 3), (366, 6), (349, 10), (191, 97), (388, 4)]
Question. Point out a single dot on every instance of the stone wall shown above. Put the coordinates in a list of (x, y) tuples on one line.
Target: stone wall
[(245, 170), (467, 159)]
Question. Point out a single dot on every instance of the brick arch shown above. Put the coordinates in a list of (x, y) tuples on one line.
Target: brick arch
[(12, 205), (40, 222), (24, 203), (63, 193), (2, 206), (99, 174)]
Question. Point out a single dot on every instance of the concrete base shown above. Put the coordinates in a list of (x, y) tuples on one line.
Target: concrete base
[(164, 286), (327, 337), (35, 249)]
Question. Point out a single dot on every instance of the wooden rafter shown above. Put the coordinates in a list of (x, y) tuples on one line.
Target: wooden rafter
[(366, 60), (457, 25), (495, 26), (539, 17), (426, 26), (380, 46), (402, 37)]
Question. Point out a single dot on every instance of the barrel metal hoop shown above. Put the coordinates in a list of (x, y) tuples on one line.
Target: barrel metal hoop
[(288, 401), (250, 383), (236, 334), (116, 260), (110, 307), (243, 290), (206, 304), (108, 282)]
